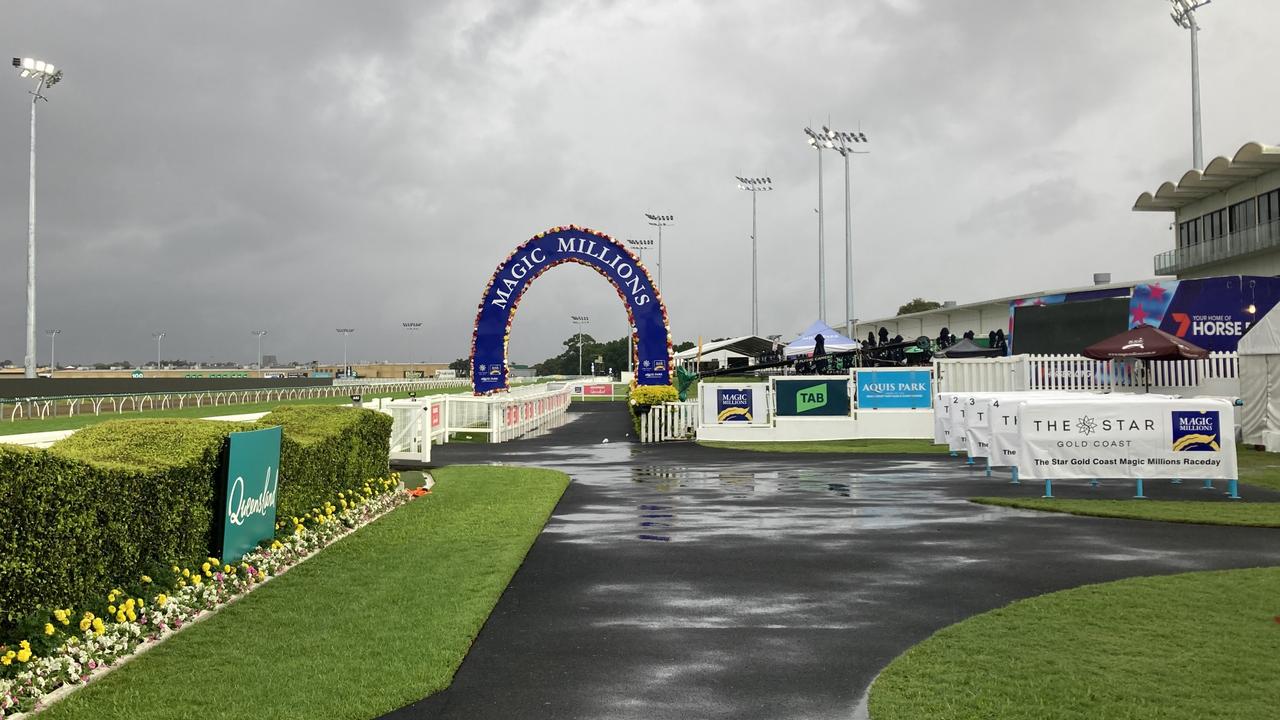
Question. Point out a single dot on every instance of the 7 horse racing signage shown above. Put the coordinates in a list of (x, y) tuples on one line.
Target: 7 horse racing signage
[(598, 251), (247, 499)]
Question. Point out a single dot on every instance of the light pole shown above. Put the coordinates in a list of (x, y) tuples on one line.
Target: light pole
[(843, 142), (46, 76), (660, 221), (580, 320), (53, 346), (754, 185), (344, 332), (160, 336), (259, 333), (819, 142), (411, 327), (1184, 16)]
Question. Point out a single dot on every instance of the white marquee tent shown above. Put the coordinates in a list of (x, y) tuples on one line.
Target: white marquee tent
[(832, 340), (1259, 352)]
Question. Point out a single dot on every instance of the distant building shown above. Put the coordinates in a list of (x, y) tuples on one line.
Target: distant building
[(1226, 218), (269, 361)]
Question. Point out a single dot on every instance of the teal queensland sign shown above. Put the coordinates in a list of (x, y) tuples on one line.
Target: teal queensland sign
[(248, 492), (809, 397)]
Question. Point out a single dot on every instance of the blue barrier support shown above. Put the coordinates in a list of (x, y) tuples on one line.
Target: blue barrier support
[(1140, 496), (1015, 480), (1048, 488), (1208, 485), (1232, 489)]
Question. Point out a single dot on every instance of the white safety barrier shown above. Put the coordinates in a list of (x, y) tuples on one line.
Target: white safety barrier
[(1052, 435), (522, 412), (669, 421)]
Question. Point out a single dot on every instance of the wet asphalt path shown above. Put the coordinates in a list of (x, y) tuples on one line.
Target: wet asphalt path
[(677, 581)]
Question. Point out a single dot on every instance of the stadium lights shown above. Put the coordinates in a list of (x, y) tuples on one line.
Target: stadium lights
[(754, 185), (259, 333), (345, 332), (843, 143), (820, 142), (160, 336), (45, 75), (1184, 17), (53, 347), (580, 320), (660, 221)]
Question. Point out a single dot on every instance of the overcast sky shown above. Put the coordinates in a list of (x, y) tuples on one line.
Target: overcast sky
[(208, 169)]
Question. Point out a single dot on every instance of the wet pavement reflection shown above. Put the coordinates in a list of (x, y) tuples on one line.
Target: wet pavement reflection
[(678, 581)]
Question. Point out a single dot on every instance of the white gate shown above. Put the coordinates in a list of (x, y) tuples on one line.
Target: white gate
[(669, 421)]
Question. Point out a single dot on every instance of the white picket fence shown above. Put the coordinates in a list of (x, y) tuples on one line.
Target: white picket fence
[(1216, 374), (669, 421)]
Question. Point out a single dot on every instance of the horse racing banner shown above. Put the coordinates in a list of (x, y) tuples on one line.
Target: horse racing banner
[(1134, 438)]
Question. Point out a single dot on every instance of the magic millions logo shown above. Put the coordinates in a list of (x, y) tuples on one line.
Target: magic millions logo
[(733, 405), (1196, 431)]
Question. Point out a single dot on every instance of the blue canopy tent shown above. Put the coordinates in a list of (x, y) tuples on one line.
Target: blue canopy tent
[(832, 340)]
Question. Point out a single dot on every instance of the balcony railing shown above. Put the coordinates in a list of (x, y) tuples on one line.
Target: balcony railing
[(1234, 245)]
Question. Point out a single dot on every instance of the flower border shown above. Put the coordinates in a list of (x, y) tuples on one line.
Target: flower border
[(104, 644)]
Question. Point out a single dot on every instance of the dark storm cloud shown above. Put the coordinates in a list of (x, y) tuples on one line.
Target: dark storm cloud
[(301, 166)]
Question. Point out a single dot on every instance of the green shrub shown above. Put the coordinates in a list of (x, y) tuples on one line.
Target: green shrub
[(327, 450), (642, 397), (103, 507)]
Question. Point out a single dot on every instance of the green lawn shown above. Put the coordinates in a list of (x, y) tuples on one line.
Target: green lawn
[(836, 446), (1180, 511), (1198, 645), (76, 422), (376, 621), (1259, 468)]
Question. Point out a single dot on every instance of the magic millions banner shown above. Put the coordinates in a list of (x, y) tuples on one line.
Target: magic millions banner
[(608, 257), (1156, 438)]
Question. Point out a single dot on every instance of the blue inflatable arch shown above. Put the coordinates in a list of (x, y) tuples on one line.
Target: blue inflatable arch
[(645, 311)]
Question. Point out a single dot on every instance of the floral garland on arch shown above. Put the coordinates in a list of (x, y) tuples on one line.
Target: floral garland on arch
[(96, 643), (631, 322)]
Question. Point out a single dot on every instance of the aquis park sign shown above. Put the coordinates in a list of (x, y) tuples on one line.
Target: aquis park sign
[(646, 313)]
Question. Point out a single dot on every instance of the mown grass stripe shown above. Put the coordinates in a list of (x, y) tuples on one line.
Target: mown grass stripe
[(376, 621)]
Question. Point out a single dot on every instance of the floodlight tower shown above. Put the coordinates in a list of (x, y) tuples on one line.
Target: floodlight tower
[(660, 221), (53, 347), (580, 320), (345, 332), (1184, 16), (46, 76), (843, 143), (754, 186), (820, 142), (160, 336), (412, 327), (259, 333)]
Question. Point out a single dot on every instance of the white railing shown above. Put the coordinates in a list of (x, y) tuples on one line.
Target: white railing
[(1217, 374), (417, 425), (1001, 374), (669, 421), (522, 412)]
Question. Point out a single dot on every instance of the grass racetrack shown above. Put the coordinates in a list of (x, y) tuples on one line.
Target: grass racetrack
[(376, 621), (1193, 646)]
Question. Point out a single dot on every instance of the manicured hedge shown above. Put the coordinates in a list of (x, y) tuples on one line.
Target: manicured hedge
[(126, 498), (103, 507), (327, 450)]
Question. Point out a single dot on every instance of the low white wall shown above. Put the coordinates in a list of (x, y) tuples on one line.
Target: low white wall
[(878, 424)]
